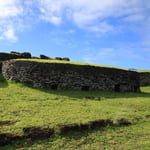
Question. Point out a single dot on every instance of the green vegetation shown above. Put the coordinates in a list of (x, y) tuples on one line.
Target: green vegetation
[(67, 62), (143, 71), (26, 107)]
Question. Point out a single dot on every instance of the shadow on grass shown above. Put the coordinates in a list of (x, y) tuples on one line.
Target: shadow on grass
[(95, 95), (3, 82)]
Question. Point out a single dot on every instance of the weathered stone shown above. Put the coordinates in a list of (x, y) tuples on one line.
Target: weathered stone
[(44, 57), (14, 55), (14, 52), (58, 58), (66, 59), (144, 78), (0, 67), (68, 76), (7, 56), (25, 55)]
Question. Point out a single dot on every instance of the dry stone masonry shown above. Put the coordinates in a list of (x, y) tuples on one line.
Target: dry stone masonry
[(144, 78), (68, 76)]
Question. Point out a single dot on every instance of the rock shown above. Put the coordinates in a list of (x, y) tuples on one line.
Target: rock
[(58, 58), (25, 55), (7, 56), (144, 78), (44, 57), (16, 53), (66, 59)]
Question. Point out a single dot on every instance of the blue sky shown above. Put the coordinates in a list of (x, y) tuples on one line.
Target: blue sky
[(109, 32)]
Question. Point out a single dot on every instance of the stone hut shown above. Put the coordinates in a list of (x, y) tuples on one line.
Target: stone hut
[(70, 76), (144, 78)]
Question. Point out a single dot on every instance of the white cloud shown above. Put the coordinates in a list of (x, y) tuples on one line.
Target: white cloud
[(9, 35), (92, 15), (96, 16), (52, 19), (135, 18), (10, 8), (10, 13)]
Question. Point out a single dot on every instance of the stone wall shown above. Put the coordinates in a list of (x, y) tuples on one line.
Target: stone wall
[(69, 76), (144, 78), (0, 67)]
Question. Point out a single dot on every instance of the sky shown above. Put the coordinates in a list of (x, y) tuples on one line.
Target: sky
[(108, 32)]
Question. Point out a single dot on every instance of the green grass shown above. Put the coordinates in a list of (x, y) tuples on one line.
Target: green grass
[(27, 107), (141, 71)]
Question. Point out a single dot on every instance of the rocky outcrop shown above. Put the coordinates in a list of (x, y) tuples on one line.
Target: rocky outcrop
[(44, 57), (14, 55), (144, 78), (69, 76)]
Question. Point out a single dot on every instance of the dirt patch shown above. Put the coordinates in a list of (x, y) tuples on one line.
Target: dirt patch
[(100, 123), (91, 98), (86, 126), (38, 133), (123, 122), (6, 123), (147, 116), (6, 138), (69, 127)]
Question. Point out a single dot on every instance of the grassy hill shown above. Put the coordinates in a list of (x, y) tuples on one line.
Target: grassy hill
[(22, 107)]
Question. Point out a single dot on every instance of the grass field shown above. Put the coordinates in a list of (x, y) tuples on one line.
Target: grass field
[(23, 106)]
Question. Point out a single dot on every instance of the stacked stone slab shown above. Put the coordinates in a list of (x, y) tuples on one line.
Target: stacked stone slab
[(69, 76), (144, 78)]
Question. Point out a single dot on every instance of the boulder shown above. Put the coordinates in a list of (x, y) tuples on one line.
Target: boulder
[(44, 57), (25, 55)]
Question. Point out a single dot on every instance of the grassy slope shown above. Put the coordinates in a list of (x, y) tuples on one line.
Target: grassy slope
[(140, 71), (34, 107)]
